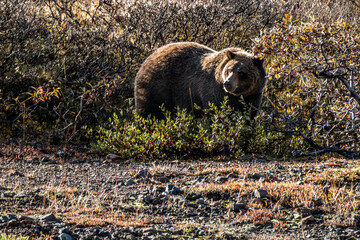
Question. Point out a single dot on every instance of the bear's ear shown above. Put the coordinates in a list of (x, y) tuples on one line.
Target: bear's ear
[(230, 54), (258, 61)]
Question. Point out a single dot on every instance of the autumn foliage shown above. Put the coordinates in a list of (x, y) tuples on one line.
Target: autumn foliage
[(69, 64)]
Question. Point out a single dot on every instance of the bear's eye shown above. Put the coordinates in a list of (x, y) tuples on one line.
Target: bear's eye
[(242, 74)]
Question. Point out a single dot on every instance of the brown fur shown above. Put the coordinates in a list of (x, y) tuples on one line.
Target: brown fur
[(181, 74)]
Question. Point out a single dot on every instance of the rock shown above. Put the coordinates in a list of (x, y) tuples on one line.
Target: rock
[(158, 189), (260, 193), (114, 236), (257, 176), (65, 236), (49, 218), (192, 197), (144, 173), (131, 237), (149, 231), (307, 220), (104, 233), (20, 195), (306, 212), (355, 218), (260, 160), (130, 182), (11, 217), (60, 225), (296, 216), (26, 219), (236, 207), (12, 223), (16, 173), (47, 160), (200, 201), (233, 175), (60, 153), (221, 179), (65, 230), (163, 180), (171, 189), (113, 157), (3, 219), (5, 195), (147, 199)]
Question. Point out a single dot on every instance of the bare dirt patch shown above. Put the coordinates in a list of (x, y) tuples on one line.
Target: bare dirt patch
[(64, 193)]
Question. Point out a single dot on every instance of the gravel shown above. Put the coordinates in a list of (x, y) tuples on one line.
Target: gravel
[(94, 198)]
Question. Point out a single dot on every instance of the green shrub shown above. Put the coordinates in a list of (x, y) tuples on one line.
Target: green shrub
[(218, 132)]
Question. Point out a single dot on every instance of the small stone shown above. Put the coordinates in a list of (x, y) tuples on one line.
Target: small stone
[(113, 157), (236, 207), (221, 179), (59, 225), (129, 182), (260, 193), (11, 217), (144, 173), (65, 230), (158, 189), (307, 220), (16, 173), (46, 160), (260, 160), (104, 233), (306, 212), (257, 176), (65, 236), (233, 175), (172, 189), (12, 222), (114, 236), (355, 218), (20, 195), (192, 197), (147, 199), (149, 232), (200, 201), (163, 180), (60, 153), (296, 216), (49, 218), (4, 219), (26, 219), (5, 195), (131, 237)]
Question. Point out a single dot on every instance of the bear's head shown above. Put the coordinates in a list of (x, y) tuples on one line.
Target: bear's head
[(242, 73)]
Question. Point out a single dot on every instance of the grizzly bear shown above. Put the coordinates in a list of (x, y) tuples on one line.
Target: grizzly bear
[(187, 73)]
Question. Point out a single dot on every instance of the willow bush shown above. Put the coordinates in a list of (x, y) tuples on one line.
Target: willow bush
[(220, 132), (67, 64)]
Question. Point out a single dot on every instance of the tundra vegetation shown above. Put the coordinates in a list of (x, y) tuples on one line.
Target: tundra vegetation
[(67, 69)]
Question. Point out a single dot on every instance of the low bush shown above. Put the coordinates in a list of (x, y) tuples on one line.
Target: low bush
[(220, 132), (67, 64), (314, 82)]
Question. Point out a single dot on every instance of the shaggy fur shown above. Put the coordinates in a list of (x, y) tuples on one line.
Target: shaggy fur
[(181, 74)]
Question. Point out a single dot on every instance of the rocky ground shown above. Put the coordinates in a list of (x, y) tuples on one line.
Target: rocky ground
[(65, 194)]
